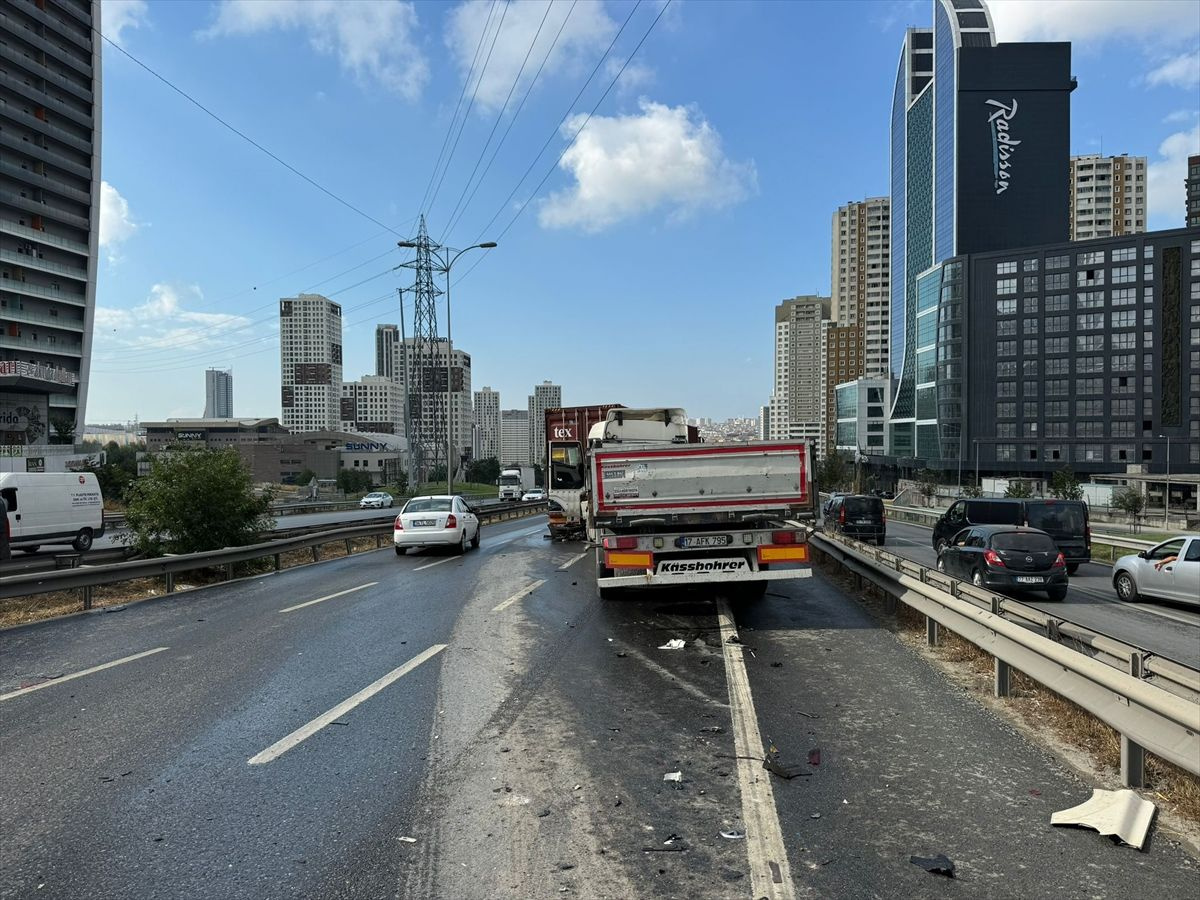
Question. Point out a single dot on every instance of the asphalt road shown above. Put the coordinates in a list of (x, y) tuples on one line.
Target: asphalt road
[(491, 709), (1171, 630)]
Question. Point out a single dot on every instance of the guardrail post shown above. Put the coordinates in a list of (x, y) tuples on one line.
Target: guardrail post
[(316, 553), (169, 577), (1002, 674), (229, 571), (378, 541), (348, 551), (931, 631), (277, 563), (1133, 756), (87, 597)]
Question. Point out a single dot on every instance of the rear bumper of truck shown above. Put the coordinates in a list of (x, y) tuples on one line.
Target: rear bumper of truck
[(650, 579)]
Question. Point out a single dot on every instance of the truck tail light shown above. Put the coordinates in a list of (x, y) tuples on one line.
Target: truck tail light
[(620, 543), (783, 537), (399, 526), (451, 521), (992, 559)]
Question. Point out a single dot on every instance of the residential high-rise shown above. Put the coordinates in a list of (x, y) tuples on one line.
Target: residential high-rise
[(545, 396), (310, 348), (218, 394), (1108, 196), (857, 344), (796, 405), (979, 161), (1192, 186), (514, 437), (487, 423), (433, 401), (386, 339), (374, 403), (49, 215)]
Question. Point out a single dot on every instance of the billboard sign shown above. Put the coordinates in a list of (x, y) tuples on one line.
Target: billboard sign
[(23, 418)]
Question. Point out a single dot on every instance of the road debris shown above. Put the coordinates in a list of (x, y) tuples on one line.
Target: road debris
[(543, 813), (776, 665), (936, 865), (673, 644), (784, 770), (733, 834), (814, 757), (1121, 813), (673, 776), (733, 639), (815, 816), (406, 839)]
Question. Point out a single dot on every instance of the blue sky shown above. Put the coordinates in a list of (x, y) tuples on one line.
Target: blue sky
[(645, 270)]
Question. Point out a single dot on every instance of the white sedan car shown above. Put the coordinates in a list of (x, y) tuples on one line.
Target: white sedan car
[(376, 500), (436, 521), (1170, 571), (534, 494)]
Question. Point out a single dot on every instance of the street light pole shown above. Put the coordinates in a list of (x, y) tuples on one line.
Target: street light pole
[(1167, 492)]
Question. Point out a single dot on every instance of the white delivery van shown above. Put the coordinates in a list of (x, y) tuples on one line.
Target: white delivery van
[(52, 508)]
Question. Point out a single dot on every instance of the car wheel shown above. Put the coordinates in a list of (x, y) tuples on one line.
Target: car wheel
[(1126, 587), (475, 540), (462, 541), (1059, 592), (977, 579), (939, 545), (941, 565), (1072, 568), (83, 540), (400, 551)]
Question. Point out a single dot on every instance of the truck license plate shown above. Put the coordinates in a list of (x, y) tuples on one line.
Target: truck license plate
[(1029, 579), (704, 540)]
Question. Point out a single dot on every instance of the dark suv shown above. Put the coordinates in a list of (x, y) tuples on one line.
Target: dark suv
[(1066, 521), (857, 515), (963, 513), (1006, 557)]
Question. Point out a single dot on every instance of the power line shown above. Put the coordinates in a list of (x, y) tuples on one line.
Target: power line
[(244, 136), (467, 114), (458, 203), (457, 106)]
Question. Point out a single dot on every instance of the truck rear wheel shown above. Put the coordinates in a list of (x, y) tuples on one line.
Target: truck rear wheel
[(607, 593)]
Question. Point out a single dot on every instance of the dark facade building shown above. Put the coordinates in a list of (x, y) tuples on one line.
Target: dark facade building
[(1192, 183), (980, 161), (1084, 354)]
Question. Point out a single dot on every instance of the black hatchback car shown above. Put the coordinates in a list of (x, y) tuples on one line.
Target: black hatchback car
[(857, 515), (1006, 558)]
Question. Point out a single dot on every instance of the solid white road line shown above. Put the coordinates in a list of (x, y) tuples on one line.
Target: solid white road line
[(304, 732), (330, 596), (574, 559), (764, 837), (438, 563), (500, 607), (93, 669)]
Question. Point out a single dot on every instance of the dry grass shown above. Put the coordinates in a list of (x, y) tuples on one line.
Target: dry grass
[(1042, 711), (24, 610)]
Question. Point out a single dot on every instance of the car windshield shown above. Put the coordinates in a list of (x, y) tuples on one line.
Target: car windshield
[(428, 504), (1056, 517), (1023, 542)]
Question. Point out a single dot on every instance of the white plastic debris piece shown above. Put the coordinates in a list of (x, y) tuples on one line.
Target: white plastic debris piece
[(673, 776), (675, 644), (733, 834), (1122, 813), (407, 840)]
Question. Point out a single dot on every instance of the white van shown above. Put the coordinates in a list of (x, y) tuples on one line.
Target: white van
[(52, 508)]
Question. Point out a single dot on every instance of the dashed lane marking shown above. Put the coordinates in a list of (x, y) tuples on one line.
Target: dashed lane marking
[(764, 836), (438, 563), (72, 677), (304, 732), (574, 559), (330, 596), (500, 607)]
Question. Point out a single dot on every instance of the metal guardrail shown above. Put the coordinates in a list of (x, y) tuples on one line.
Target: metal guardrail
[(167, 567), (1154, 704)]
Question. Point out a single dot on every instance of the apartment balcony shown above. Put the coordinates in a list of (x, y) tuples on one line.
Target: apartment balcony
[(51, 131), (30, 9), (40, 344), (29, 318), (45, 183), (32, 65), (41, 98), (35, 262), (14, 286), (55, 51), (8, 226), (41, 208), (43, 154)]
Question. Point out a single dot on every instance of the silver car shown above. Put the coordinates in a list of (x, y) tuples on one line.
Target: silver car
[(376, 500), (1169, 571)]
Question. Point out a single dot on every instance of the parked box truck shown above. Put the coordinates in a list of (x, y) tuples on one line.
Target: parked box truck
[(515, 481)]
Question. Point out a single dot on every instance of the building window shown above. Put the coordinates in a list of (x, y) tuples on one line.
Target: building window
[(1006, 452), (1124, 254), (1006, 348), (1029, 367), (1057, 262), (1124, 362), (1031, 265), (1006, 327), (1126, 340), (1056, 387), (1089, 259), (1006, 286), (1087, 364), (1089, 385), (1058, 345), (1006, 389), (1006, 268), (1056, 409), (1089, 278), (1058, 303), (1060, 281), (1057, 429), (1060, 365), (1089, 299), (1030, 284), (1058, 323), (1124, 297), (1089, 321), (1124, 275), (1029, 409), (1031, 326), (1006, 429), (1006, 410), (1006, 307)]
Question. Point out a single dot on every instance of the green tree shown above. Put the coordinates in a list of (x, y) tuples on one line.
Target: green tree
[(64, 430), (833, 473), (353, 481), (927, 484), (1018, 487), (195, 500), (1130, 501), (1064, 485), (304, 477), (400, 484), (119, 470), (483, 471)]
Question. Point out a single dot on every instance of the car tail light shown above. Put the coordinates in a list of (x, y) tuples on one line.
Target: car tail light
[(620, 543), (993, 559), (842, 515), (399, 524), (1059, 562), (451, 521), (783, 537)]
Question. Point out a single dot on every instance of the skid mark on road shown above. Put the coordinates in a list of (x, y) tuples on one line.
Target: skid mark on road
[(764, 836), (330, 596), (91, 671), (505, 604), (670, 676), (304, 732)]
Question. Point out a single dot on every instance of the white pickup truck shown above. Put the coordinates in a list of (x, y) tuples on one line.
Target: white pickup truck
[(663, 511)]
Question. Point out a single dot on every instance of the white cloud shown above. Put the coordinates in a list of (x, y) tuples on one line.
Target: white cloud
[(162, 322), (374, 39), (117, 15), (584, 37), (625, 166), (1180, 116), (1095, 21), (1164, 191), (1181, 71), (636, 77), (116, 222)]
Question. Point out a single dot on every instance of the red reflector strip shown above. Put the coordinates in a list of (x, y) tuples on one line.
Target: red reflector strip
[(626, 560), (769, 553)]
